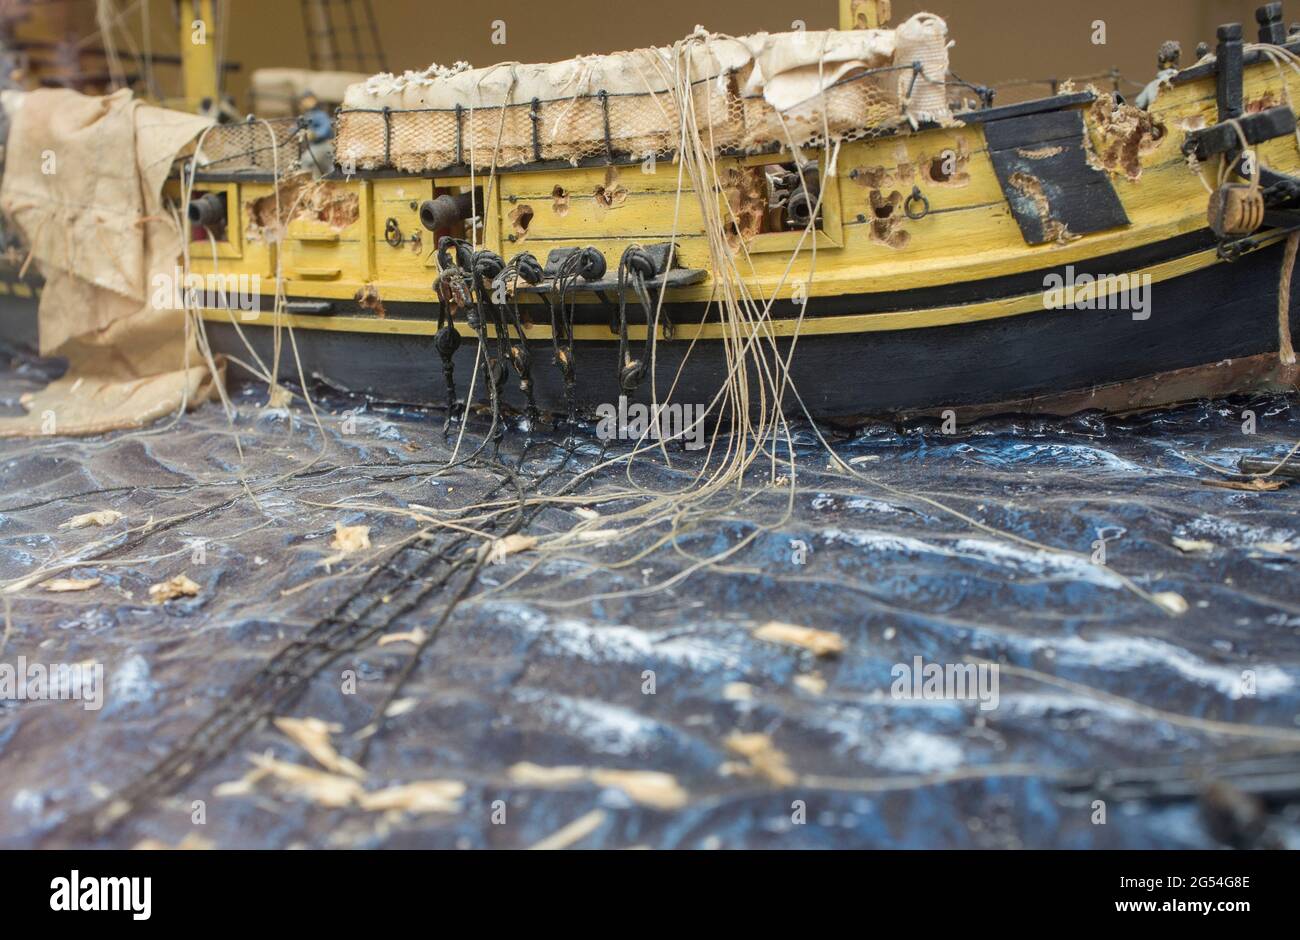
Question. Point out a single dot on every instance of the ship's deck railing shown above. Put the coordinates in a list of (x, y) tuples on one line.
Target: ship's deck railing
[(253, 146)]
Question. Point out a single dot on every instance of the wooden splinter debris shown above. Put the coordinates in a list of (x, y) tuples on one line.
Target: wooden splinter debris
[(103, 517), (1257, 485), (313, 736), (425, 796), (280, 397), (1288, 467), (347, 540), (71, 585), (350, 538), (318, 786), (414, 637), (819, 642), (812, 683), (1173, 602), (1274, 548), (401, 707), (336, 791), (497, 550), (573, 833), (172, 588), (764, 760), (648, 787), (738, 692), (193, 842)]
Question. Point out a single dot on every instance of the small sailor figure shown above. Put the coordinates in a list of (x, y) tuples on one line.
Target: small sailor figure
[(1167, 65)]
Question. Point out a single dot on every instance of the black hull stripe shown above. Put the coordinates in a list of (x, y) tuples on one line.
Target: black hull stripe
[(1198, 319)]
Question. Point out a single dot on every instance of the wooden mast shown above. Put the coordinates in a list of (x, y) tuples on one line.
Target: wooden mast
[(864, 14), (198, 47)]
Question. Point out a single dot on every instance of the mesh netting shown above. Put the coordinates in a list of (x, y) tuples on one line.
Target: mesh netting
[(603, 125), (251, 146)]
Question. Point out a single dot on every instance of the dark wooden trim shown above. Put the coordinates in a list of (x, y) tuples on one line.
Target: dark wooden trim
[(1023, 108), (1048, 149), (1209, 69)]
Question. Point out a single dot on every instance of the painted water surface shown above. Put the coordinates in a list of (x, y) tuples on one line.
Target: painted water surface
[(806, 671)]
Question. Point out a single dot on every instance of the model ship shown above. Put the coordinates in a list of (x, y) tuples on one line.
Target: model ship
[(836, 208)]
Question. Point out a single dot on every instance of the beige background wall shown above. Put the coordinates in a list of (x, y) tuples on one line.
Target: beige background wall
[(997, 40)]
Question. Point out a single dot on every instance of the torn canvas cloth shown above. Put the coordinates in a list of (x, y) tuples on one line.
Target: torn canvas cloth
[(83, 184)]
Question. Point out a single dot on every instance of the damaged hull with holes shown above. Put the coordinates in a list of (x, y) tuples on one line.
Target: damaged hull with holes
[(1050, 256)]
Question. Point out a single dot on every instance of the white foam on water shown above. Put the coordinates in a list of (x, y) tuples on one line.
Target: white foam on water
[(1235, 534), (605, 728), (1005, 555), (1113, 652), (600, 643), (1073, 455), (131, 682), (1051, 702), (920, 752)]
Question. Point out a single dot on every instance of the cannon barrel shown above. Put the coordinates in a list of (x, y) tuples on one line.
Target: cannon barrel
[(445, 211), (209, 210)]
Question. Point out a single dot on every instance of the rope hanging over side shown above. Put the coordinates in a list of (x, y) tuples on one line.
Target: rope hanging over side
[(522, 267), (635, 268), (588, 265), (453, 290), (1285, 351), (466, 282), (486, 266)]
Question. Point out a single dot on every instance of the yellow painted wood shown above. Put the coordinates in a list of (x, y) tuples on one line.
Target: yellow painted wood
[(658, 177), (315, 251), (639, 216), (399, 199), (258, 256), (783, 243), (970, 234), (312, 230), (908, 165)]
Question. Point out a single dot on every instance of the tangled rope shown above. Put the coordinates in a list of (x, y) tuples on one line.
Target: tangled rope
[(635, 268), (587, 264)]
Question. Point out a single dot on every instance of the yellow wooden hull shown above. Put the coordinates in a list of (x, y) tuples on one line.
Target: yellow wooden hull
[(958, 288)]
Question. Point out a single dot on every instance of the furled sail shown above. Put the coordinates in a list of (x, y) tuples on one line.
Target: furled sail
[(746, 93)]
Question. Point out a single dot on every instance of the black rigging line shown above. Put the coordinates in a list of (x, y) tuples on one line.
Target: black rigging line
[(394, 589)]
